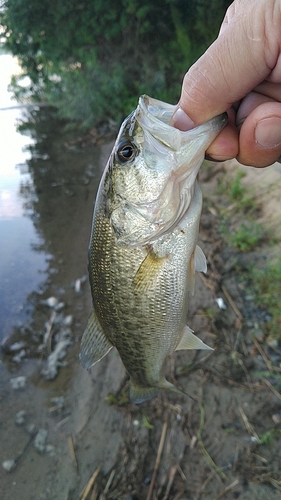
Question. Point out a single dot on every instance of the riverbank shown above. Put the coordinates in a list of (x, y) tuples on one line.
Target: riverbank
[(79, 428)]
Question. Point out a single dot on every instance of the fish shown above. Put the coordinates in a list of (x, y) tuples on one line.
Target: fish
[(143, 250)]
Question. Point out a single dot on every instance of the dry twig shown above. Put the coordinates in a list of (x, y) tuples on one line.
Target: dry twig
[(262, 353), (86, 490), (157, 461), (228, 488), (277, 394), (203, 449), (107, 486), (249, 426), (72, 451), (232, 303)]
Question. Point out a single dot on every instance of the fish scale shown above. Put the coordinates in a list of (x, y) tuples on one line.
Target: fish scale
[(142, 268)]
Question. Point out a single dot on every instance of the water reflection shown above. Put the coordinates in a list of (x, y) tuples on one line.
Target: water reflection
[(47, 189), (20, 268)]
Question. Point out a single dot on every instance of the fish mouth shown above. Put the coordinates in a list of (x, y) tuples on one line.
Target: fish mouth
[(154, 116), (144, 222)]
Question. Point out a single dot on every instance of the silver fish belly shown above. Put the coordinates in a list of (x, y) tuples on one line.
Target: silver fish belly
[(143, 251)]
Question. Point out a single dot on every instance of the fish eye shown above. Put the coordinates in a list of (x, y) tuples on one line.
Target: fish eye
[(126, 151)]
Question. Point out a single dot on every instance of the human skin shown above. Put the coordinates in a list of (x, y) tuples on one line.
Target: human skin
[(239, 73)]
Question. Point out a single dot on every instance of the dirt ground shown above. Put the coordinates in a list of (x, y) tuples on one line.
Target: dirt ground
[(222, 443)]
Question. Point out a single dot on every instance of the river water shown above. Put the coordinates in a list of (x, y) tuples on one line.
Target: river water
[(48, 182), (21, 268)]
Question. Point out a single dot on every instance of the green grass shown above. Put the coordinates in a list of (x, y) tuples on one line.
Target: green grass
[(238, 194), (247, 236), (267, 286)]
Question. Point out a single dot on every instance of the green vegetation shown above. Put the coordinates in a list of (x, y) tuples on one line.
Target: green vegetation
[(242, 232), (267, 286), (247, 236), (121, 400), (238, 225), (237, 193), (270, 436), (93, 59)]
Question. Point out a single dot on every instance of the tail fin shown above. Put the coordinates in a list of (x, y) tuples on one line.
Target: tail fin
[(139, 394)]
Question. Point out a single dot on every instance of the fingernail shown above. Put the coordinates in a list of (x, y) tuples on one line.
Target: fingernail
[(268, 132), (181, 120)]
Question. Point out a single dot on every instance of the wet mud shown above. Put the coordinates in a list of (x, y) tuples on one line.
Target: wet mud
[(70, 434)]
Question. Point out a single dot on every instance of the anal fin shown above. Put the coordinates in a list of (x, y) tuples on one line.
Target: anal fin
[(94, 344), (190, 341)]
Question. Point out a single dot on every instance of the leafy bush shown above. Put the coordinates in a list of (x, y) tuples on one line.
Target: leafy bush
[(92, 59)]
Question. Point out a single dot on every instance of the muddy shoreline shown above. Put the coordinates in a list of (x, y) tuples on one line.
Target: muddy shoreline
[(83, 421)]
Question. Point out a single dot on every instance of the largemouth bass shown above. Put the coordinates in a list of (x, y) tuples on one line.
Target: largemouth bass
[(143, 250)]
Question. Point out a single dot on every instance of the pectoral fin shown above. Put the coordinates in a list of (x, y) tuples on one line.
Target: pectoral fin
[(94, 344), (197, 263), (200, 262), (148, 271), (190, 341)]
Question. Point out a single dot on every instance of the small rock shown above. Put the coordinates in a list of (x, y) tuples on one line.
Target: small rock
[(272, 343), (31, 428), (9, 465), (54, 360), (249, 297), (18, 382), (20, 417), (68, 320), (59, 403), (50, 302), (276, 418), (220, 303), (19, 357), (59, 306), (50, 449), (17, 346), (78, 283), (40, 440)]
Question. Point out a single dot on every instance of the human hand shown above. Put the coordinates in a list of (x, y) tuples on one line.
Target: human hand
[(240, 73)]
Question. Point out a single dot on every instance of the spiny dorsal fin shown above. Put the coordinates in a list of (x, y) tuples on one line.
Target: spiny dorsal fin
[(190, 341), (94, 344)]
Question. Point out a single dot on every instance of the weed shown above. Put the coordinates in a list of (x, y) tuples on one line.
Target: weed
[(238, 194), (236, 190), (267, 285), (247, 236), (146, 422), (269, 436), (121, 400)]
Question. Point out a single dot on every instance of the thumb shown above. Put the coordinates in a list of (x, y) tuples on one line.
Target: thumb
[(241, 58)]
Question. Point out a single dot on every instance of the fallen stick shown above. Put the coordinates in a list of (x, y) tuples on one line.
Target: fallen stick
[(86, 490), (249, 426), (72, 451), (158, 459), (232, 303), (228, 488)]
